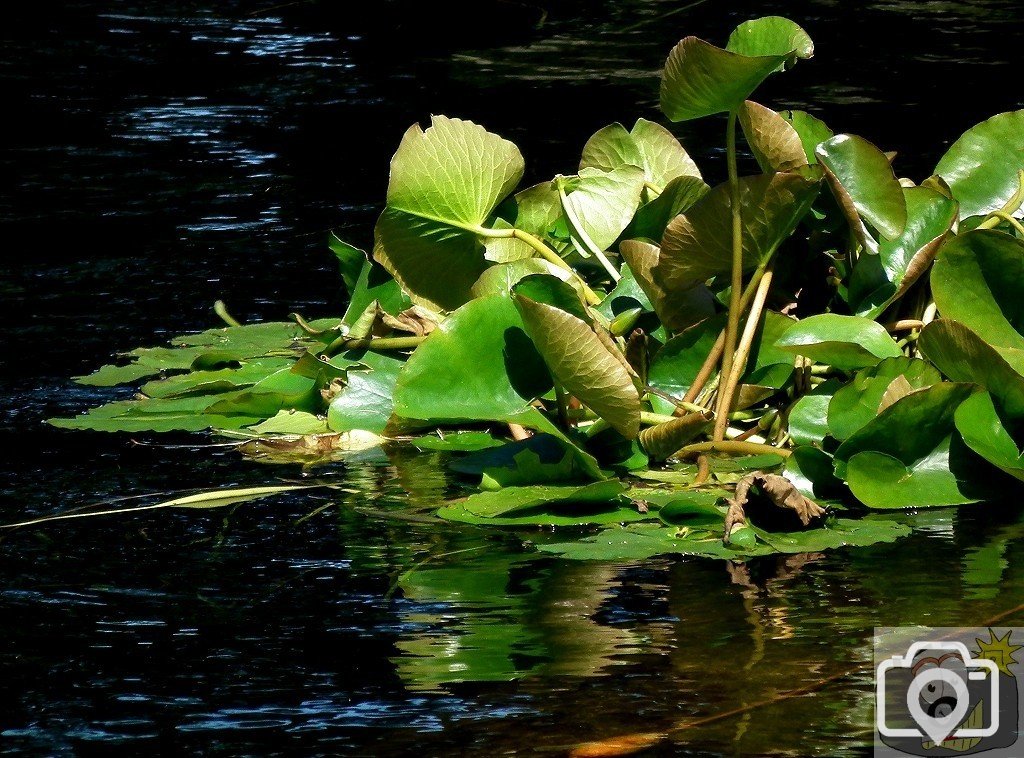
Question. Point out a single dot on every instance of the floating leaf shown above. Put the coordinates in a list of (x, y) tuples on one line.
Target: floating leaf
[(698, 245), (516, 500), (879, 280), (249, 372), (292, 422), (539, 459), (812, 132), (445, 183), (680, 311), (976, 281), (811, 470), (365, 401), (582, 364), (465, 442), (857, 403), (982, 167), (648, 146), (963, 356), (864, 184), (808, 418), (774, 142), (846, 342)]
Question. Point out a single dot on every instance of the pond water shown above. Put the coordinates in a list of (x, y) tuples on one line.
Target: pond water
[(158, 156)]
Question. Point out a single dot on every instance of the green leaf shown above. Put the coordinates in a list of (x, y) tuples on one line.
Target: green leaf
[(982, 167), (537, 210), (648, 146), (582, 364), (979, 424), (500, 279), (445, 183), (478, 365), (554, 292), (212, 382), (808, 418), (350, 260), (776, 145), (700, 79), (680, 311), (291, 422), (663, 440), (157, 415), (652, 218), (771, 35), (879, 280), (365, 402), (541, 458), (374, 284), (517, 500), (906, 456), (857, 403), (976, 281), (846, 342), (811, 470), (282, 390), (864, 184), (598, 205), (698, 245), (464, 442), (963, 356), (695, 510), (812, 132)]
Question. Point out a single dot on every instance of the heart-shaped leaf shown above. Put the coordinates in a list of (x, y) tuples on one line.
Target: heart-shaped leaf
[(598, 205), (773, 141), (771, 35), (864, 184), (857, 403), (445, 183), (812, 131), (678, 196), (879, 280), (846, 342), (976, 281), (648, 146), (698, 245), (982, 168), (582, 364)]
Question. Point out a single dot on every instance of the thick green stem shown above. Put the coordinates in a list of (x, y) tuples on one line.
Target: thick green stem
[(584, 238), (733, 324), (222, 310), (733, 446), (372, 343), (727, 394), (993, 219)]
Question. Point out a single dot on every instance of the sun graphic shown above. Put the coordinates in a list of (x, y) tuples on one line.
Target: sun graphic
[(999, 650)]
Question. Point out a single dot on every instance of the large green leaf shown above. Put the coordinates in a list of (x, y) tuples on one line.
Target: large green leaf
[(537, 210), (700, 79), (598, 205), (652, 218), (365, 401), (158, 415), (812, 131), (698, 245), (982, 167), (864, 184), (808, 417), (445, 183), (219, 380), (908, 455), (878, 280), (846, 342), (500, 279), (963, 356), (539, 459), (774, 142), (983, 430), (517, 500), (679, 311), (582, 364), (977, 281), (857, 403), (478, 365), (648, 146)]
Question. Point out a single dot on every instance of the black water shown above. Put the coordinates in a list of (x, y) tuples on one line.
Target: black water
[(158, 156)]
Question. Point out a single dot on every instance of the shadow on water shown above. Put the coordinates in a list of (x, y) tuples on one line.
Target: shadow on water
[(162, 156)]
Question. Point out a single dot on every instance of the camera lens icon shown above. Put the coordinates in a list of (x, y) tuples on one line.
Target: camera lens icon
[(947, 693)]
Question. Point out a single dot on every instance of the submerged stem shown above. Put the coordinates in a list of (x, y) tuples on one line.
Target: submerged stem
[(733, 325)]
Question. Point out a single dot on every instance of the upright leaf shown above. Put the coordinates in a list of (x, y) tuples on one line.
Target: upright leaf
[(846, 342), (648, 146), (583, 365), (771, 35), (982, 168), (857, 403), (864, 184), (599, 205), (445, 183), (811, 130), (677, 312), (774, 142)]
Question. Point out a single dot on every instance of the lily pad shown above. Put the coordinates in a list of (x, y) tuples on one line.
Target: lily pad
[(808, 418), (812, 131), (846, 342), (679, 311), (515, 500), (984, 432), (365, 402), (540, 459), (598, 205), (653, 217)]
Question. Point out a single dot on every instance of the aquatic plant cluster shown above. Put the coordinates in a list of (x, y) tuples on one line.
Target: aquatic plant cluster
[(676, 367)]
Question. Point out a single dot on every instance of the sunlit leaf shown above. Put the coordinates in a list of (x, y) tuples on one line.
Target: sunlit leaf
[(774, 142), (846, 342), (500, 279), (647, 145), (599, 205), (864, 184), (812, 131), (652, 218), (983, 430), (445, 183), (679, 311), (857, 403), (982, 167), (540, 459), (808, 418), (365, 401), (515, 500), (771, 35)]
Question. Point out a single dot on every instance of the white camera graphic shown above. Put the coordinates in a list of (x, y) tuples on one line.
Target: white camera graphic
[(938, 696)]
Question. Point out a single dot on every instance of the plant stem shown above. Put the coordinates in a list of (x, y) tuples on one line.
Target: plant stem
[(222, 310), (563, 406), (995, 217), (588, 243), (727, 394), (654, 189), (372, 343), (733, 446), (905, 325), (733, 325), (549, 255)]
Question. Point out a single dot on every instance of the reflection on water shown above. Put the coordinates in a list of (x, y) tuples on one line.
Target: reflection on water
[(162, 156)]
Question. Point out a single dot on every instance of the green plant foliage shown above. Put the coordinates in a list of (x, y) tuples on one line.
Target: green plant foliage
[(812, 132), (513, 501), (774, 142), (771, 35), (540, 459), (598, 205), (679, 311), (367, 282), (365, 401), (874, 388), (647, 146), (982, 168), (864, 184), (653, 217), (846, 342), (985, 433), (976, 281)]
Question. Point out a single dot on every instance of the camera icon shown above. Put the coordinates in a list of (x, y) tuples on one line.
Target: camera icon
[(947, 694)]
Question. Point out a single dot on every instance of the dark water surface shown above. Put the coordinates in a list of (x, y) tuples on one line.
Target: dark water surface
[(158, 156)]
